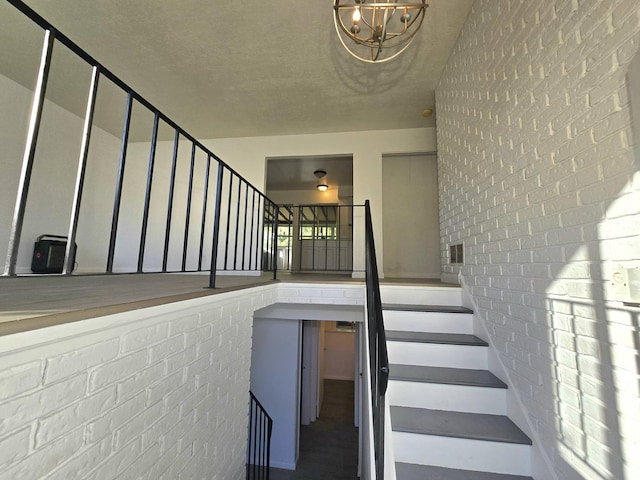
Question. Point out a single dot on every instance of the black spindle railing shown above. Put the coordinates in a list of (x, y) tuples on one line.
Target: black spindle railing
[(182, 248), (378, 360), (259, 442)]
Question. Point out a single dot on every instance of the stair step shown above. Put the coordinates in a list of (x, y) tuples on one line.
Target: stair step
[(425, 308), (421, 295), (474, 426), (439, 338), (450, 376), (452, 355), (410, 471), (437, 322)]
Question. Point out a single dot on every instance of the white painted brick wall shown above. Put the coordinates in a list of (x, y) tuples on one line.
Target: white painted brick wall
[(537, 178), (159, 393)]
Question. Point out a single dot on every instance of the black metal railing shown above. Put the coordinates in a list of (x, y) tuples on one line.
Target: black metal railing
[(259, 443), (233, 227), (378, 359), (316, 238)]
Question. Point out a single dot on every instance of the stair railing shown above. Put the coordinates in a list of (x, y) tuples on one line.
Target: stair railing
[(378, 359), (250, 221), (259, 442)]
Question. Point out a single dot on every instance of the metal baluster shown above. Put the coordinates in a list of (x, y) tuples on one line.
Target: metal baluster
[(29, 153), (275, 237), (204, 210), (70, 253), (260, 231), (253, 214), (226, 248), (147, 194), (216, 227), (185, 243), (119, 182), (244, 230), (172, 183), (235, 243)]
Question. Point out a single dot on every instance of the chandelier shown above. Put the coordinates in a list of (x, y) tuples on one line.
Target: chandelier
[(375, 31)]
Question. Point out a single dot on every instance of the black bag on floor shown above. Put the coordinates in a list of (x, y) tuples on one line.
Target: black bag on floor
[(48, 254)]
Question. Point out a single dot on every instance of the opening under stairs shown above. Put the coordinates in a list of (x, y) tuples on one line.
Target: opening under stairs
[(448, 412)]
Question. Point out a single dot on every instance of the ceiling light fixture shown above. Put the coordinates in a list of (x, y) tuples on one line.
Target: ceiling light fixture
[(367, 30), (319, 173), (323, 187)]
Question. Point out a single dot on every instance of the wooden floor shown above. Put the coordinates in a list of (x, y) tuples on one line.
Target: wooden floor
[(36, 301)]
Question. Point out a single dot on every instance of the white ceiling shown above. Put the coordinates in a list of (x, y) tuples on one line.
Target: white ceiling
[(296, 173), (227, 68)]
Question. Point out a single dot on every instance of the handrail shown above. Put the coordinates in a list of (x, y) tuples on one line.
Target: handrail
[(259, 441), (378, 359), (247, 199)]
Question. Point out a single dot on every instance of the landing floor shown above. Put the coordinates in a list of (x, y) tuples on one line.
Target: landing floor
[(36, 301)]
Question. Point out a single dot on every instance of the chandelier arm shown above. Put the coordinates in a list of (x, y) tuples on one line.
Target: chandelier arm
[(381, 39)]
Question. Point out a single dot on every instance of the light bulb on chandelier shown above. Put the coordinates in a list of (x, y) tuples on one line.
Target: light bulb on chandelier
[(368, 31)]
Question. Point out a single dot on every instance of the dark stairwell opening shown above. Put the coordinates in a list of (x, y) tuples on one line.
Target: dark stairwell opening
[(328, 446)]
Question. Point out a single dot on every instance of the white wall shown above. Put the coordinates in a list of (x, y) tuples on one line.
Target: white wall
[(340, 355), (537, 178), (275, 381), (248, 156), (51, 191), (410, 216)]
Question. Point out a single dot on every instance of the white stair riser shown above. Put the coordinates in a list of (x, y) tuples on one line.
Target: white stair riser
[(437, 396), (408, 295), (462, 453), (437, 355), (428, 322)]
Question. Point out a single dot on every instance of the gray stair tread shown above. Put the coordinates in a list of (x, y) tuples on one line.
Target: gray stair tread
[(476, 426), (409, 471), (450, 376), (428, 337), (425, 308)]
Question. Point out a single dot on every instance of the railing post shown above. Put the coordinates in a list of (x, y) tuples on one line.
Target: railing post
[(147, 194), (216, 227), (172, 184), (119, 182), (29, 153), (275, 240), (204, 210), (262, 208), (70, 253), (244, 230), (253, 214), (185, 243), (226, 249)]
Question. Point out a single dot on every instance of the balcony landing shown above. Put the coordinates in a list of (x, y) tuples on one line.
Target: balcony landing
[(31, 302)]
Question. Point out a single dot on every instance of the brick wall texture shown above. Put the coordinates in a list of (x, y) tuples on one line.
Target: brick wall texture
[(537, 178), (162, 394), (157, 394)]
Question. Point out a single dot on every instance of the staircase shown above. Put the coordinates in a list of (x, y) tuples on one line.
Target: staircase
[(448, 412)]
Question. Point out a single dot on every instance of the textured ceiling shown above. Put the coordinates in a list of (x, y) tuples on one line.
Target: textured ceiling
[(227, 68), (296, 173)]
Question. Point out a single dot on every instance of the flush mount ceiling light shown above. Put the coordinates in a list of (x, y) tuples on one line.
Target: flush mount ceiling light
[(323, 187), (375, 31)]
